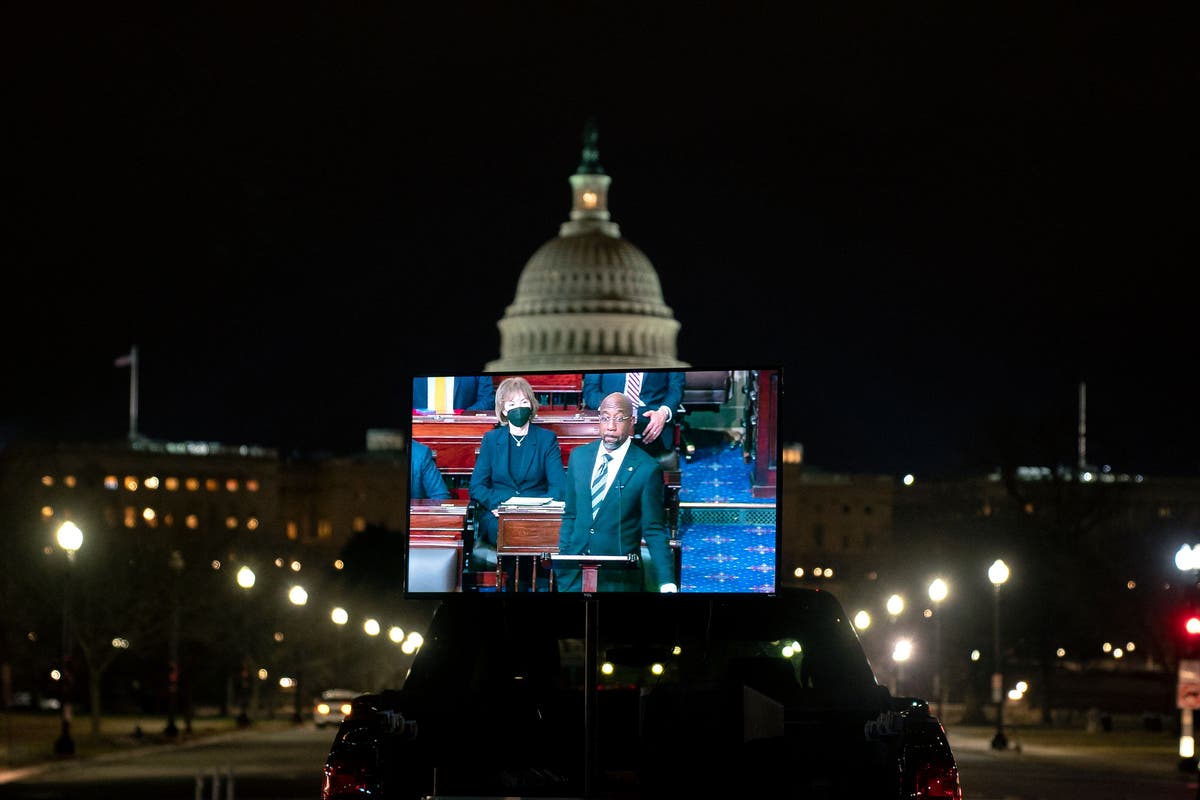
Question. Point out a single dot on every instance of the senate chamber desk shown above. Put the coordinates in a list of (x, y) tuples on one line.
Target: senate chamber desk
[(455, 438), (438, 524)]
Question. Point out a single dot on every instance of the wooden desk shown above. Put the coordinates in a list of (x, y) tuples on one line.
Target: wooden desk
[(438, 523), (527, 534), (455, 439)]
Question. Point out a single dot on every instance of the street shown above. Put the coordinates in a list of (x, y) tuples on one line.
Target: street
[(274, 765), (286, 765), (1060, 773)]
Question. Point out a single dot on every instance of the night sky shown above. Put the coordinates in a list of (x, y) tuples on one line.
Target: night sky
[(290, 208)]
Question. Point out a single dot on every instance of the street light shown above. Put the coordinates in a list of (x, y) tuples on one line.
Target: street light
[(298, 597), (70, 538), (998, 574), (937, 593), (245, 580)]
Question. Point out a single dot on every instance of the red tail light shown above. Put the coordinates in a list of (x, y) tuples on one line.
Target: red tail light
[(344, 777), (938, 780)]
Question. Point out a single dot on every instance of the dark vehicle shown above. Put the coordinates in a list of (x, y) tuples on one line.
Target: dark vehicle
[(332, 706), (692, 696)]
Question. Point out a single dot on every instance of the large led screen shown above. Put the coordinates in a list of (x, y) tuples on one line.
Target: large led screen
[(594, 482)]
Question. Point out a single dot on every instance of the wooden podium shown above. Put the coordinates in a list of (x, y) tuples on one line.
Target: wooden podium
[(526, 533)]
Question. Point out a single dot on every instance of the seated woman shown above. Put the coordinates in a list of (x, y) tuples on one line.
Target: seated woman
[(516, 459)]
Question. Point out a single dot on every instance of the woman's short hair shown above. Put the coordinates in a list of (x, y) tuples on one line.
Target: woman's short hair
[(510, 388)]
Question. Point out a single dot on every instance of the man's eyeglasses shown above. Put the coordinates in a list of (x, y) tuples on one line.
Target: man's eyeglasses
[(618, 420)]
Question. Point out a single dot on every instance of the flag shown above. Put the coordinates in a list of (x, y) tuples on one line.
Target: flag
[(124, 361)]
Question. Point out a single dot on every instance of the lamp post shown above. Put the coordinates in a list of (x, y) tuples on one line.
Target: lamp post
[(70, 538), (937, 593), (298, 597), (245, 580), (339, 617), (172, 730), (998, 574)]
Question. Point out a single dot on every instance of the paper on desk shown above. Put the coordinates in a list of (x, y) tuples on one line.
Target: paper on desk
[(545, 502)]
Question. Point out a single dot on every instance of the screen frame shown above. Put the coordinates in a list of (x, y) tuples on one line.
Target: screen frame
[(771, 439)]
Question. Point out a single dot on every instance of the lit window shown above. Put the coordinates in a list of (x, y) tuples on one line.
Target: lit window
[(231, 522), (69, 481), (131, 483), (1029, 508), (192, 484), (231, 485), (210, 484), (169, 520), (292, 531), (251, 485), (148, 514), (130, 517), (589, 199), (47, 512), (252, 523), (191, 521), (172, 484), (360, 524), (110, 482), (47, 480), (151, 482), (324, 529)]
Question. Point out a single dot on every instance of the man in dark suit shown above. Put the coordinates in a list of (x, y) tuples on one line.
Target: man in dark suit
[(425, 480), (655, 395), (470, 393), (624, 508)]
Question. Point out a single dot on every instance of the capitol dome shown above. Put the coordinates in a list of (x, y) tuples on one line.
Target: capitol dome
[(588, 297)]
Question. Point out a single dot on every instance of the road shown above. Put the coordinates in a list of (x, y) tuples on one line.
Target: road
[(286, 765), (274, 765), (1060, 773)]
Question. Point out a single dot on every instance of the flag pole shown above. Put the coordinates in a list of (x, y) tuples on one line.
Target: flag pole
[(133, 392), (130, 360)]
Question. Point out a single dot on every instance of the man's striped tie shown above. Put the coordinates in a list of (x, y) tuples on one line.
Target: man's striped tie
[(598, 483), (633, 389)]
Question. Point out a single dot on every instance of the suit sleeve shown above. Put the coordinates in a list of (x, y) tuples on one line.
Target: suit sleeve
[(674, 396), (426, 479), (592, 393), (654, 527), (556, 478), (569, 507), (432, 482), (485, 395), (482, 486)]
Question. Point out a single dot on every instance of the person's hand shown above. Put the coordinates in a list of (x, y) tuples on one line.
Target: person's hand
[(668, 588), (658, 418)]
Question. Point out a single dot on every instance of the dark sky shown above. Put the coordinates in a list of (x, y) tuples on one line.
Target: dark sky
[(288, 208)]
